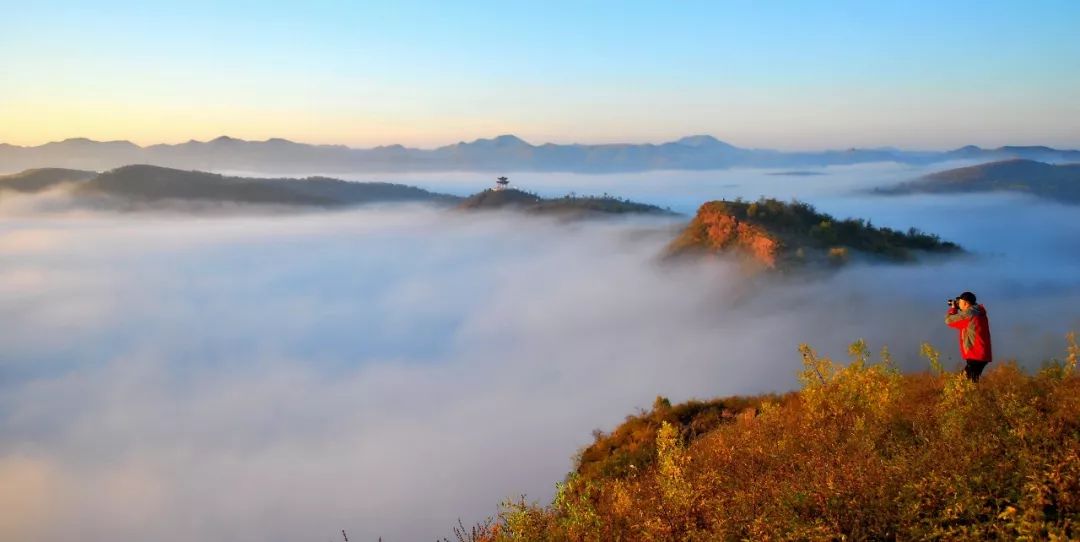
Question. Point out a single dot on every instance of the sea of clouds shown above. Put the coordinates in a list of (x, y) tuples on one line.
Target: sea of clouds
[(388, 370)]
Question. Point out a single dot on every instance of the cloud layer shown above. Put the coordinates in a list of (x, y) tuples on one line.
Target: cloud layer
[(389, 370)]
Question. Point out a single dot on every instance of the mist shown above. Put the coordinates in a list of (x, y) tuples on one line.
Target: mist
[(388, 370)]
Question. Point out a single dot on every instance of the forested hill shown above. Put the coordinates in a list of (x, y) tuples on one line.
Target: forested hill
[(570, 205), (779, 235), (37, 180), (143, 183)]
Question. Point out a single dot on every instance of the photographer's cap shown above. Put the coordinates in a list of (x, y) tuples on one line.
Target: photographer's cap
[(967, 296)]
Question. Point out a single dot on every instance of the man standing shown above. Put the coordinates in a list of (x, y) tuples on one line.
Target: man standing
[(974, 327)]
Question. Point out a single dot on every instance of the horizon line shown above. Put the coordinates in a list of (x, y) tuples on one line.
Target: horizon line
[(225, 137)]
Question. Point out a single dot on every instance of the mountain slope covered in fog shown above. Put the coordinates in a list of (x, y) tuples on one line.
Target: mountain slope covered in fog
[(36, 180), (152, 183), (502, 153), (1052, 181), (144, 183)]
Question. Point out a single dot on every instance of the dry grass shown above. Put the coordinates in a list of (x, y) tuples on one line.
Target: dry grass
[(861, 452)]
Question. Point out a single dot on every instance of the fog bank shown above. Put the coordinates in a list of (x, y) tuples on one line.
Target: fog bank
[(390, 369)]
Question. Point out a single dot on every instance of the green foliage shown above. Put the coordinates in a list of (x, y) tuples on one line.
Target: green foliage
[(605, 203), (577, 513), (670, 466), (661, 404), (1073, 356), (934, 357), (823, 231), (861, 452)]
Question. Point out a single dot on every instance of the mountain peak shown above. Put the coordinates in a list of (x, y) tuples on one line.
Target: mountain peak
[(509, 138), (703, 141), (505, 140), (83, 141), (1027, 148)]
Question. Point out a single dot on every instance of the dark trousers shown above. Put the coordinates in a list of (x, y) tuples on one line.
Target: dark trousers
[(974, 368)]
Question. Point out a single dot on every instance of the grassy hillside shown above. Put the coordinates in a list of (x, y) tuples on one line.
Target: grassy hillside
[(36, 180), (568, 205), (779, 234), (1057, 182), (861, 452)]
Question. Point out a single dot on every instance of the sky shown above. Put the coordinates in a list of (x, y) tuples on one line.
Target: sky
[(786, 75)]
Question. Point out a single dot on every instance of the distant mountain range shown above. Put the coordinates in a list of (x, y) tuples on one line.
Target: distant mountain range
[(1051, 181), (503, 153)]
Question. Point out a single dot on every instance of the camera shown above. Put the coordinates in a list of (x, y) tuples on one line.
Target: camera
[(951, 302)]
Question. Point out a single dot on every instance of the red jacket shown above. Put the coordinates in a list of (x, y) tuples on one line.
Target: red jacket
[(974, 332)]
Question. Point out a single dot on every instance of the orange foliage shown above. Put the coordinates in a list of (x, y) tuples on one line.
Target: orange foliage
[(716, 229)]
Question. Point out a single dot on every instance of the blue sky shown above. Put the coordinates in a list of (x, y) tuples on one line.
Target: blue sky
[(766, 74)]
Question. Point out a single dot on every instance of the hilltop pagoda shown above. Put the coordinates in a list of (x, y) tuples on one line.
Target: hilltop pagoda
[(501, 183)]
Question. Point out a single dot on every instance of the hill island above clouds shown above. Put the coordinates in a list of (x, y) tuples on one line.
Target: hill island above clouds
[(767, 234), (147, 186), (775, 235), (1058, 182)]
